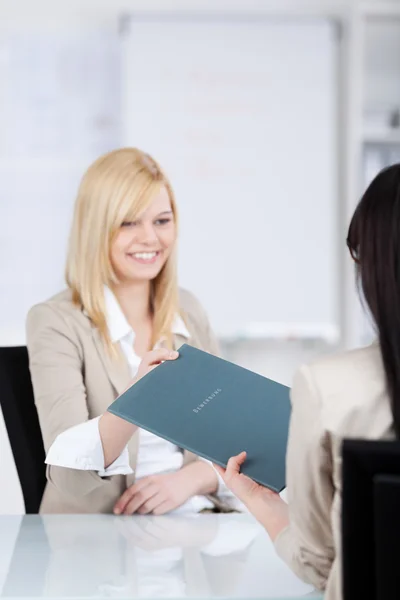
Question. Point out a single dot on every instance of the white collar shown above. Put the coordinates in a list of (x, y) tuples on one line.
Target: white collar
[(118, 326)]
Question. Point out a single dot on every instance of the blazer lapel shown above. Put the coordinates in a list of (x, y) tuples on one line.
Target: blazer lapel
[(116, 368)]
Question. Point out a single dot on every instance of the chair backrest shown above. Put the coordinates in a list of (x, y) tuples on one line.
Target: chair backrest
[(371, 520), (387, 535), (22, 424)]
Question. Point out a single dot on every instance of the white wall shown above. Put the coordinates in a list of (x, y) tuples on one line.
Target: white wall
[(382, 63)]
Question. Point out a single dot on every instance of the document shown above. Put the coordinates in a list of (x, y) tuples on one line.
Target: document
[(214, 409)]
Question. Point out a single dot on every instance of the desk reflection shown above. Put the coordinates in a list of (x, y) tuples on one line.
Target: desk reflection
[(97, 556)]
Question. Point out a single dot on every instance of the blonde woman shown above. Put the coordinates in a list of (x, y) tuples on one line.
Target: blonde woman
[(85, 346)]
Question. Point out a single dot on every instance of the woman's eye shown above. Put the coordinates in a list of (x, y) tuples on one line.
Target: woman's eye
[(129, 223), (162, 221)]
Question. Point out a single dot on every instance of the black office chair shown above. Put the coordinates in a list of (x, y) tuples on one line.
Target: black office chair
[(371, 520), (22, 424), (387, 535)]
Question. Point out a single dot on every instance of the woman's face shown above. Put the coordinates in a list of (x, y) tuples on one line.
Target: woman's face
[(141, 248)]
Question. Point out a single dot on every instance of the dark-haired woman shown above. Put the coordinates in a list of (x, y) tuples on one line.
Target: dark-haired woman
[(354, 394)]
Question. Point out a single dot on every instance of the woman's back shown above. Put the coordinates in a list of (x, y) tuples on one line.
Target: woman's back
[(341, 396), (354, 400)]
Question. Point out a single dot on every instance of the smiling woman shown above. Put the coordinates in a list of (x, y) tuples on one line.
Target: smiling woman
[(85, 346)]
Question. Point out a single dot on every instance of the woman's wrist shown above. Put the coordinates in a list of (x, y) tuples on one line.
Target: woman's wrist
[(203, 477), (115, 433), (270, 511)]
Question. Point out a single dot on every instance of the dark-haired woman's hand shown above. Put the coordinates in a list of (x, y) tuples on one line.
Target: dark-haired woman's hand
[(241, 485), (264, 504)]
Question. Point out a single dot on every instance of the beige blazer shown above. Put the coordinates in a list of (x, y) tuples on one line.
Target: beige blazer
[(74, 379), (343, 396)]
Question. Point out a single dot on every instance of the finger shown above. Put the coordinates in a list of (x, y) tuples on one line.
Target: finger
[(155, 357), (164, 508), (140, 484), (129, 493), (150, 505), (150, 361), (141, 498), (234, 464)]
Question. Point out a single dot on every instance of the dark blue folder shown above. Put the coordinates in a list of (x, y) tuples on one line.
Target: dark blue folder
[(215, 409)]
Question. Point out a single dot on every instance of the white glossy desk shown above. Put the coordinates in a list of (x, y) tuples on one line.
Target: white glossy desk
[(98, 556)]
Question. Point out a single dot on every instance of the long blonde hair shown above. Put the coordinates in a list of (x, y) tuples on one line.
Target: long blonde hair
[(117, 187)]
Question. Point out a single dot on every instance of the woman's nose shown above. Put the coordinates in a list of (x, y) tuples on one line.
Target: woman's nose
[(148, 235)]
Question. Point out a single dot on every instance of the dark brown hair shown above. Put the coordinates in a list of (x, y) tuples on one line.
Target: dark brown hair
[(374, 242)]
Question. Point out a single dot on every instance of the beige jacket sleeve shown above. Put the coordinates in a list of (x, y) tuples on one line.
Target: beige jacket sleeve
[(56, 370), (307, 545)]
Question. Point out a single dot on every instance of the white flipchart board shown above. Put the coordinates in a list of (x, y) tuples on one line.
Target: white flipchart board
[(242, 115)]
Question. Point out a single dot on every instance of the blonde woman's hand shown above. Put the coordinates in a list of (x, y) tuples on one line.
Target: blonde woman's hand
[(151, 360), (162, 493), (157, 494)]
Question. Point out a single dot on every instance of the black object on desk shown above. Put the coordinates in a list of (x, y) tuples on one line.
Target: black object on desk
[(371, 520), (22, 424)]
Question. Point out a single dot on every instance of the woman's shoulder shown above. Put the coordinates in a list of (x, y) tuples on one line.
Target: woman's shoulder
[(190, 305), (60, 303), (59, 311), (350, 388), (351, 367)]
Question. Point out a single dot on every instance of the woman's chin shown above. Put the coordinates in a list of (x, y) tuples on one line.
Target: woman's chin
[(146, 274)]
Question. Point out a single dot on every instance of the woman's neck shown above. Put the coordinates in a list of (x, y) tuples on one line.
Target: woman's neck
[(134, 300)]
